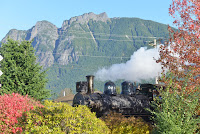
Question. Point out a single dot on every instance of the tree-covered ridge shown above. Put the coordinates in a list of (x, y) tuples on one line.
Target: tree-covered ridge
[(83, 45)]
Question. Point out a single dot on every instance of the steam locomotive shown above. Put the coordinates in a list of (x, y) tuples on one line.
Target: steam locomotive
[(132, 101)]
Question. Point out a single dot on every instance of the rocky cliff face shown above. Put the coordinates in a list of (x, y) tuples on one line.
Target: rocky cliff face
[(53, 44), (43, 36), (83, 19), (15, 35)]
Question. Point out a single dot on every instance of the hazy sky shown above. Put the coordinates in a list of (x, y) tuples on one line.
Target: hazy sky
[(23, 14)]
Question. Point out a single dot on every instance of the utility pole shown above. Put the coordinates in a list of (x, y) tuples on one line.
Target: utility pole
[(154, 44)]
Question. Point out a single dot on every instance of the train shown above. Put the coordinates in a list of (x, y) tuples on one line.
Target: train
[(132, 101)]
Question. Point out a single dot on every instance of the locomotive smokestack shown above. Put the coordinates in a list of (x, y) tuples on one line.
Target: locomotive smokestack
[(90, 79)]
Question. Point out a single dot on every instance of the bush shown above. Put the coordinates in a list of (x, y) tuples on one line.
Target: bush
[(176, 112), (11, 108), (118, 124), (62, 118)]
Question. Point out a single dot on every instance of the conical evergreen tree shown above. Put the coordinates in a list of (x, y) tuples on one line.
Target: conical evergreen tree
[(21, 73)]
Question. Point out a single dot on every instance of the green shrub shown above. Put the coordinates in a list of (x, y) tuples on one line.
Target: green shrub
[(118, 124), (62, 118), (175, 112)]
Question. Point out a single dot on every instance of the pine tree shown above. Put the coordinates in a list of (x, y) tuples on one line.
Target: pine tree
[(21, 73)]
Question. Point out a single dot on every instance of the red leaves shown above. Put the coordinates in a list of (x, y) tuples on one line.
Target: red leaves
[(184, 57), (191, 26), (184, 2), (11, 108)]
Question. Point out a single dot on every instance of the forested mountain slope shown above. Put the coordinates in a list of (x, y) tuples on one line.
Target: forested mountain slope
[(86, 43)]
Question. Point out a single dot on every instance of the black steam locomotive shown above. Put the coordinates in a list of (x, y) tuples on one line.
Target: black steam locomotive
[(132, 101)]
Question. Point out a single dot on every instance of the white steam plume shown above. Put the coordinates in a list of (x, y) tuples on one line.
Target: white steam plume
[(141, 66)]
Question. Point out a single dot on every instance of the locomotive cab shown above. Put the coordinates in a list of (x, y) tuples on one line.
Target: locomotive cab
[(82, 87)]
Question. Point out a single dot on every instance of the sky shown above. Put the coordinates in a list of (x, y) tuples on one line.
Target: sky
[(23, 14)]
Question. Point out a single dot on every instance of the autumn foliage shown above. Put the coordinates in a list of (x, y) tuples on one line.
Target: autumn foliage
[(119, 124), (22, 114), (182, 58), (11, 108)]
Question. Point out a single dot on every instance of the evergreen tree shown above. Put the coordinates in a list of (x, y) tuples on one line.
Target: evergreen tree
[(21, 73)]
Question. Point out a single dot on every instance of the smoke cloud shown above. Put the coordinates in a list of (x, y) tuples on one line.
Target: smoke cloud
[(141, 66)]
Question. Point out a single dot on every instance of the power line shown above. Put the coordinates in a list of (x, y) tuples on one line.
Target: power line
[(108, 35), (97, 39), (72, 65), (48, 52), (77, 67), (129, 40), (110, 39), (89, 69), (102, 39), (103, 34)]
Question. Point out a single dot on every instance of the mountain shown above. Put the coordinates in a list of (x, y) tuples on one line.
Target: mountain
[(86, 43)]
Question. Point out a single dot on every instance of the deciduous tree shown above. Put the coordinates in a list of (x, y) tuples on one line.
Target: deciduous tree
[(183, 55), (176, 111)]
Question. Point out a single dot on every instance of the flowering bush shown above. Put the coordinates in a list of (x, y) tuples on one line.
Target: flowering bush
[(11, 108), (62, 118)]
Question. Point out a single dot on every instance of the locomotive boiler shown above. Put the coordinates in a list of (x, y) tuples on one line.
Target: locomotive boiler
[(132, 101)]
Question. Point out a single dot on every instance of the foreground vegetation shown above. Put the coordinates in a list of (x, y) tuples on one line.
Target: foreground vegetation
[(175, 111), (29, 116)]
